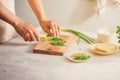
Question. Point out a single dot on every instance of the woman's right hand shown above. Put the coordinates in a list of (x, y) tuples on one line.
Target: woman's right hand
[(26, 31)]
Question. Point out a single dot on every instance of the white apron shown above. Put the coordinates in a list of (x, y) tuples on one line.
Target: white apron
[(7, 32)]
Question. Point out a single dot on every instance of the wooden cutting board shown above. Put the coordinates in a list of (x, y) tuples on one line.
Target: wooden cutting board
[(46, 48)]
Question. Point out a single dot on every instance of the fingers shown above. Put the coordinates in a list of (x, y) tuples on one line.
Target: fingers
[(25, 35), (36, 35), (49, 32), (28, 33), (55, 29), (33, 35), (21, 32), (50, 27)]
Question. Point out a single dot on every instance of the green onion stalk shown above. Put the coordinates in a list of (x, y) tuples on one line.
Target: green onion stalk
[(80, 35)]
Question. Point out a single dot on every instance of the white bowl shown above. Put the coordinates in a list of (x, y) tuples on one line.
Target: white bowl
[(105, 35)]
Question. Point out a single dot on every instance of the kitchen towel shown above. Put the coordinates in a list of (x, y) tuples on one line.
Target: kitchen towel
[(102, 4)]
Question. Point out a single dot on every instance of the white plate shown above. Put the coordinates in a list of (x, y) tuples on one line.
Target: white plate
[(70, 58), (93, 48)]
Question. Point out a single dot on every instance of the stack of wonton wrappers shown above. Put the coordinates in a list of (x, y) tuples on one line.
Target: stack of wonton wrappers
[(104, 48)]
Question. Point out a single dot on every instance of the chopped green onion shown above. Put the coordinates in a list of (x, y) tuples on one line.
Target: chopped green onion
[(57, 41), (54, 40), (82, 57)]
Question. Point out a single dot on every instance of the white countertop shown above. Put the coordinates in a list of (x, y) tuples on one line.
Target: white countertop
[(18, 62)]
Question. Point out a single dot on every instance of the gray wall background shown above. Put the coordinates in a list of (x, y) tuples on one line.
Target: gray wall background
[(25, 13), (77, 13), (64, 12)]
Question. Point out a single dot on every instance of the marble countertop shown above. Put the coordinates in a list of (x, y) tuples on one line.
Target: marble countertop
[(18, 62)]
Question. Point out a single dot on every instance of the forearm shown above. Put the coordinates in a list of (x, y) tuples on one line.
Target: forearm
[(49, 26), (37, 8), (7, 16)]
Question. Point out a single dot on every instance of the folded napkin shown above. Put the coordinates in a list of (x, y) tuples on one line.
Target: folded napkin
[(7, 32), (101, 5)]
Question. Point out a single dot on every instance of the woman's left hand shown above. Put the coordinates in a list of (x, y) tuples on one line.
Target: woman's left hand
[(50, 27)]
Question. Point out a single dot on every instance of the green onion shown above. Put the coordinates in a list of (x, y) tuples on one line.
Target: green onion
[(57, 41), (82, 57), (80, 35), (118, 33), (54, 40), (46, 37)]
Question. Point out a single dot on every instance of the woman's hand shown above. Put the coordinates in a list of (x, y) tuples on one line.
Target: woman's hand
[(26, 31), (50, 27)]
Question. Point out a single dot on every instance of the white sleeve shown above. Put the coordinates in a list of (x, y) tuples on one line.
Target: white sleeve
[(7, 32)]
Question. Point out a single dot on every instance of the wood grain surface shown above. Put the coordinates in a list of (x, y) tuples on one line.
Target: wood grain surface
[(46, 48)]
